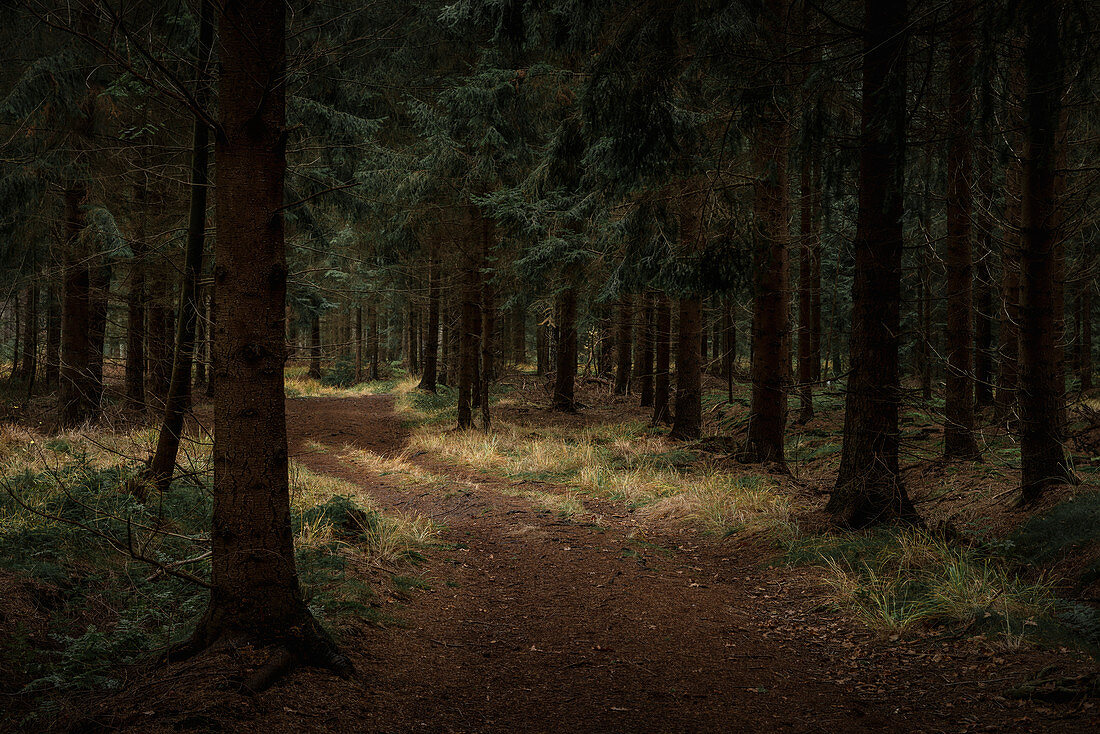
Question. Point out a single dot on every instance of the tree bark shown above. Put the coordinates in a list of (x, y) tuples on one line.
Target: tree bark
[(868, 489), (99, 292), (254, 582), (662, 352), (958, 428), (76, 402), (315, 346), (53, 337), (431, 338), (566, 368), (771, 361), (488, 324), (624, 341), (806, 251), (645, 349), (1042, 455), (688, 421), (28, 368), (542, 349), (469, 334)]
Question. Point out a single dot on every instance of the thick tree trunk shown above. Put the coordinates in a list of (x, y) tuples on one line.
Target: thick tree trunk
[(76, 399), (1041, 451), (688, 421), (566, 368), (179, 390), (771, 361), (431, 338), (624, 341), (958, 428), (254, 583), (645, 349), (868, 488), (662, 352)]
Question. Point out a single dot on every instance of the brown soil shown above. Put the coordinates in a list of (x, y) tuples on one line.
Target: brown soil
[(535, 623)]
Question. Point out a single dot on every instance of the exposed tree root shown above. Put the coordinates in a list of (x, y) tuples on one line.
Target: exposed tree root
[(306, 644)]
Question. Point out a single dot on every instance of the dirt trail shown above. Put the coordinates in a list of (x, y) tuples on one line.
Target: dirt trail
[(533, 623)]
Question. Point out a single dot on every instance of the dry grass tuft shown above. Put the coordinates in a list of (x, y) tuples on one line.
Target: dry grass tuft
[(389, 537)]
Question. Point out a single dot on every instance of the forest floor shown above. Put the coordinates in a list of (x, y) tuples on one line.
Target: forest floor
[(540, 607), (527, 619)]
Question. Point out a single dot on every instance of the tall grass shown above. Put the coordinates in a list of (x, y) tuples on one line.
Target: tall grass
[(899, 580)]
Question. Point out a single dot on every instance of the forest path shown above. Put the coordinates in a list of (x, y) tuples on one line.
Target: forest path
[(534, 623)]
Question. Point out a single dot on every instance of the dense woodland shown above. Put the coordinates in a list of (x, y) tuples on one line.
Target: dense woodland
[(736, 226)]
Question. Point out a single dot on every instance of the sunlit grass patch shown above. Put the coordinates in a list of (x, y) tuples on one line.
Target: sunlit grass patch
[(619, 462), (899, 580), (298, 384), (399, 466), (727, 504), (330, 508)]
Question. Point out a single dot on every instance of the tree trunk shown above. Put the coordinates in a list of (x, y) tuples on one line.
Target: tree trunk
[(688, 421), (567, 346), (29, 360), (1085, 365), (431, 338), (314, 346), (76, 397), (625, 341), (542, 349), (99, 295), (771, 361), (358, 343), (958, 428), (662, 353), (488, 324), (469, 334), (254, 583), (16, 333), (806, 252), (645, 349), (868, 488), (519, 334), (179, 391), (53, 337), (1042, 455)]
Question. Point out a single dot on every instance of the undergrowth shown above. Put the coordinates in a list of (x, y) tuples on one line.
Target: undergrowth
[(903, 580), (69, 534)]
